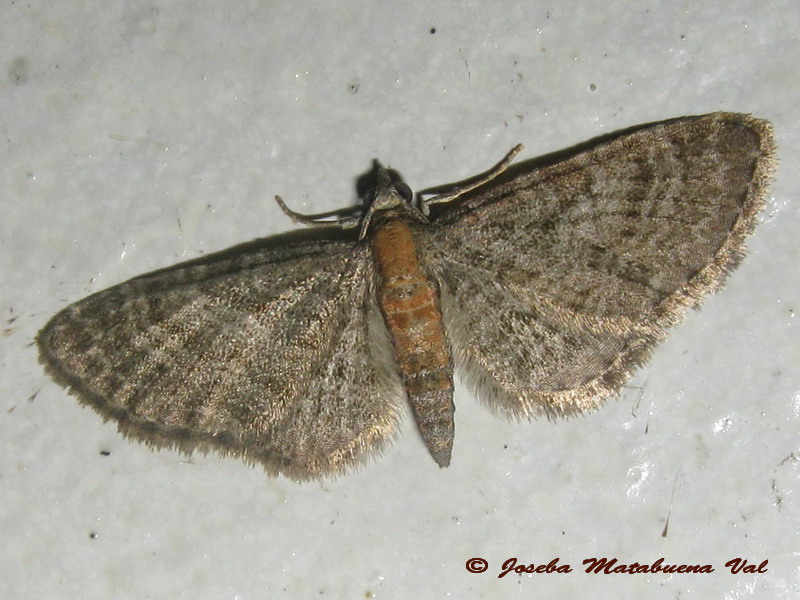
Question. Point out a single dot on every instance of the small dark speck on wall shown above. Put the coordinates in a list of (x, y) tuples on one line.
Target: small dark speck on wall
[(19, 70)]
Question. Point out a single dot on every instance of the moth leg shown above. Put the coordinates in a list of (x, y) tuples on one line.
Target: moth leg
[(481, 180), (345, 222)]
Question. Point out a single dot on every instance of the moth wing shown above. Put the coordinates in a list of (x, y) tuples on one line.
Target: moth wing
[(274, 355), (557, 282)]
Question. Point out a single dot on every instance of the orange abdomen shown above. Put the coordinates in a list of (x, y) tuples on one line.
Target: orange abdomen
[(409, 301)]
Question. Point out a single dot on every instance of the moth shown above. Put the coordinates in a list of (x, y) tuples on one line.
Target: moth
[(546, 285)]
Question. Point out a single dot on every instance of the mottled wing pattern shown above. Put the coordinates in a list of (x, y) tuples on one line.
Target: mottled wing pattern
[(272, 355), (557, 282)]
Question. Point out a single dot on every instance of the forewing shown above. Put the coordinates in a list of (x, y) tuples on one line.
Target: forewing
[(557, 282), (272, 355)]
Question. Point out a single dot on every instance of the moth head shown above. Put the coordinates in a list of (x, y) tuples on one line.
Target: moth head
[(389, 190)]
